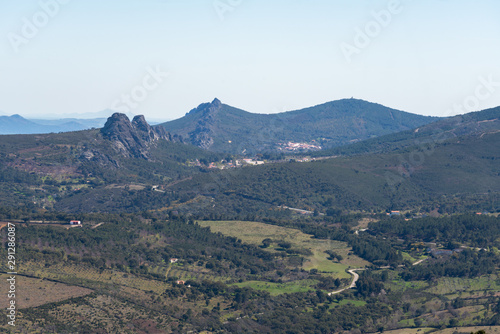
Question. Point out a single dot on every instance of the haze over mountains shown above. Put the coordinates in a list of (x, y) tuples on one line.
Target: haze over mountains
[(17, 124), (51, 123), (222, 128)]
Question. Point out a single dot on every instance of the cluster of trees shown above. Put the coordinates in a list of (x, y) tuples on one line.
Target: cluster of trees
[(321, 318), (369, 284), (333, 255), (9, 174), (329, 283), (467, 263), (123, 242), (476, 230), (377, 251)]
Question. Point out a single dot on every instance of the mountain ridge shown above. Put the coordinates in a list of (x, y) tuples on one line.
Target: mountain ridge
[(125, 153), (471, 124), (17, 124), (223, 128)]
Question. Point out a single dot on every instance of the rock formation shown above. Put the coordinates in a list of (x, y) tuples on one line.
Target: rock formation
[(133, 139)]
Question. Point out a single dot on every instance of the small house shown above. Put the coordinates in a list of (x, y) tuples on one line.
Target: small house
[(173, 260)]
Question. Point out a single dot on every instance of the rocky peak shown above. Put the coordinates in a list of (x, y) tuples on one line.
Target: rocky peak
[(204, 132), (115, 125), (207, 109), (132, 138), (216, 103), (139, 122)]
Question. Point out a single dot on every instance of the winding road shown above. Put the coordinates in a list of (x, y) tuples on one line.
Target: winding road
[(419, 261), (356, 277), (353, 283)]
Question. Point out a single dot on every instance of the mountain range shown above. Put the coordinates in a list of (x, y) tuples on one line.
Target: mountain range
[(17, 124), (452, 165), (450, 157), (219, 127)]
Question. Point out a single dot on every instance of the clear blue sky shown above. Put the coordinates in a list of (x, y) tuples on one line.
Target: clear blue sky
[(259, 55)]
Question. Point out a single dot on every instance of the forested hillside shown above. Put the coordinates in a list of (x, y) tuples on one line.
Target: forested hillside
[(471, 124), (222, 128), (454, 175), (397, 235)]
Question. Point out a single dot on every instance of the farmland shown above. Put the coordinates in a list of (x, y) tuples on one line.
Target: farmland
[(36, 292), (255, 232)]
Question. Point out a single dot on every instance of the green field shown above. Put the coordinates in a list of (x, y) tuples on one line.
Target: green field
[(279, 288), (426, 330), (255, 232), (452, 287)]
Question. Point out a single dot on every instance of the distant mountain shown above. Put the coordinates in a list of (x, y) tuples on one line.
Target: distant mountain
[(17, 124), (81, 116), (80, 122), (222, 128)]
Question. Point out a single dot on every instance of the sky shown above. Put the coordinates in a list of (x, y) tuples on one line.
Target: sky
[(162, 58)]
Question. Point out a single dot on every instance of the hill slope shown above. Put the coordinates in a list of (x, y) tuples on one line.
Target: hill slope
[(222, 128), (461, 173), (130, 166), (471, 124), (44, 169)]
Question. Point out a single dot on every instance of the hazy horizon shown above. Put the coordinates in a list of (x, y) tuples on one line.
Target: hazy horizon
[(162, 58)]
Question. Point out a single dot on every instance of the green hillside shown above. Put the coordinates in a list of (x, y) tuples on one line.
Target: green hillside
[(471, 124), (86, 171), (45, 170), (168, 245), (219, 127), (458, 174)]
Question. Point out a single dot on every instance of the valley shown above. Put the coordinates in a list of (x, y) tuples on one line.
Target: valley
[(175, 238), (249, 167)]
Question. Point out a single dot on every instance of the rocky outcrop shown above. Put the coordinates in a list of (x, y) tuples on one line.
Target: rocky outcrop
[(133, 139), (204, 133)]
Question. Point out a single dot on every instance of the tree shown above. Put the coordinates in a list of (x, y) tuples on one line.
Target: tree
[(266, 242), (285, 244)]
